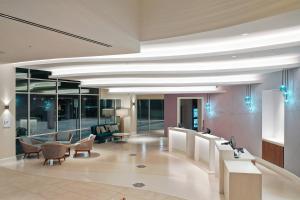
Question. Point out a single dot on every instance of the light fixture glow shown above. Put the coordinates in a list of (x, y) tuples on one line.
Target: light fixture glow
[(163, 90), (262, 63), (164, 81)]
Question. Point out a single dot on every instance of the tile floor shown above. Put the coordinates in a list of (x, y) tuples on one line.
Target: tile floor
[(113, 166)]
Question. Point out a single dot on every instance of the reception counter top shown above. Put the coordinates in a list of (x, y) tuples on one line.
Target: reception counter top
[(205, 149), (183, 140)]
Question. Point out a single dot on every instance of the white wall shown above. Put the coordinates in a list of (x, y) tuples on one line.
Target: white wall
[(273, 116), (7, 97)]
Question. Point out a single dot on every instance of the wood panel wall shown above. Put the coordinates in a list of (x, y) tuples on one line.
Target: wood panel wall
[(273, 153)]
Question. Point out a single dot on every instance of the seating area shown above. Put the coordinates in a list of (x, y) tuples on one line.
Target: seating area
[(104, 132), (56, 149)]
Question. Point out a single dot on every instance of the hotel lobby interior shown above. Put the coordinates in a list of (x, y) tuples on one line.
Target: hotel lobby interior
[(150, 99)]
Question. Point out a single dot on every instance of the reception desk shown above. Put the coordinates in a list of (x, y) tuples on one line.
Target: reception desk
[(225, 152), (242, 180), (205, 149), (182, 140)]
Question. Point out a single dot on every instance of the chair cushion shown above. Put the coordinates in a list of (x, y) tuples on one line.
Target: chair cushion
[(26, 140), (98, 130), (103, 130), (107, 127)]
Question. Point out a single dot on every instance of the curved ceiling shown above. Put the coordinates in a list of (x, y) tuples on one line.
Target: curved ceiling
[(171, 18), (234, 55)]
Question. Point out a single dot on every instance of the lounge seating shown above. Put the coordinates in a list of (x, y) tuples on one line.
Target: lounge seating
[(30, 146), (85, 144), (104, 132), (65, 138), (54, 151)]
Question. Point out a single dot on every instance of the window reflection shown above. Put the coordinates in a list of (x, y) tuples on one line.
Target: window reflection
[(44, 87), (42, 114), (21, 114), (68, 112), (89, 111)]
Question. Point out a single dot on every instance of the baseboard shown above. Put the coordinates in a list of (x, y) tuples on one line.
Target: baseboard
[(5, 160), (279, 170)]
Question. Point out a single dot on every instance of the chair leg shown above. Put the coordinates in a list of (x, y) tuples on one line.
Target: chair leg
[(59, 161), (28, 155), (89, 153), (38, 155), (64, 157), (75, 155), (25, 154), (45, 161)]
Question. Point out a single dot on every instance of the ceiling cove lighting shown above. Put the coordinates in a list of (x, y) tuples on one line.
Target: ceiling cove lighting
[(179, 81), (164, 90), (269, 62)]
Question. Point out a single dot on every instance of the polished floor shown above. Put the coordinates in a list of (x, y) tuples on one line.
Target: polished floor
[(116, 166)]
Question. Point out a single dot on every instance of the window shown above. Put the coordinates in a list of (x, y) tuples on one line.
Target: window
[(42, 114), (21, 114), (89, 111), (45, 106), (108, 109), (68, 112), (150, 115)]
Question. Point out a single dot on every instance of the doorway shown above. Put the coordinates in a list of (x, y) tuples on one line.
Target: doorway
[(190, 112)]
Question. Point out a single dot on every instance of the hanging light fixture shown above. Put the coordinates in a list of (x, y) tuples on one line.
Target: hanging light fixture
[(248, 98), (208, 105), (284, 87)]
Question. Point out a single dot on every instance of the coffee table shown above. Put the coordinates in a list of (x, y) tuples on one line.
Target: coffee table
[(119, 137)]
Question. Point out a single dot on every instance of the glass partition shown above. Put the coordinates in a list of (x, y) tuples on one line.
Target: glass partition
[(89, 111), (45, 106), (21, 115), (68, 112), (42, 114)]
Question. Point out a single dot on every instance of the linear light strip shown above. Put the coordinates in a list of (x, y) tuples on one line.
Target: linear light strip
[(230, 79), (52, 29), (163, 90), (186, 67)]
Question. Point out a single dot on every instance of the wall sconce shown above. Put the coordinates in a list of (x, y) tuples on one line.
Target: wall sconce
[(284, 87), (248, 98), (6, 107)]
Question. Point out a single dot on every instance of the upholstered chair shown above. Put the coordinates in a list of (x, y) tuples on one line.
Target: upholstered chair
[(30, 146), (64, 138), (85, 144), (54, 151)]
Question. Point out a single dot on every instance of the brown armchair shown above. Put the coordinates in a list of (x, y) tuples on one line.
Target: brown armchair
[(30, 146), (64, 138), (85, 144), (54, 151)]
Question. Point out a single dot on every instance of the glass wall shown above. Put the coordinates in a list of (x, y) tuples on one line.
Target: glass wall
[(45, 106), (89, 111), (42, 114), (150, 115), (108, 109)]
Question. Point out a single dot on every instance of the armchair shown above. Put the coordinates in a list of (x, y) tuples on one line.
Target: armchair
[(64, 138), (54, 151), (85, 144), (30, 146)]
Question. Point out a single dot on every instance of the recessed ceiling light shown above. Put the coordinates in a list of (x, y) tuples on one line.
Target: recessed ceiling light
[(245, 34), (233, 56)]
